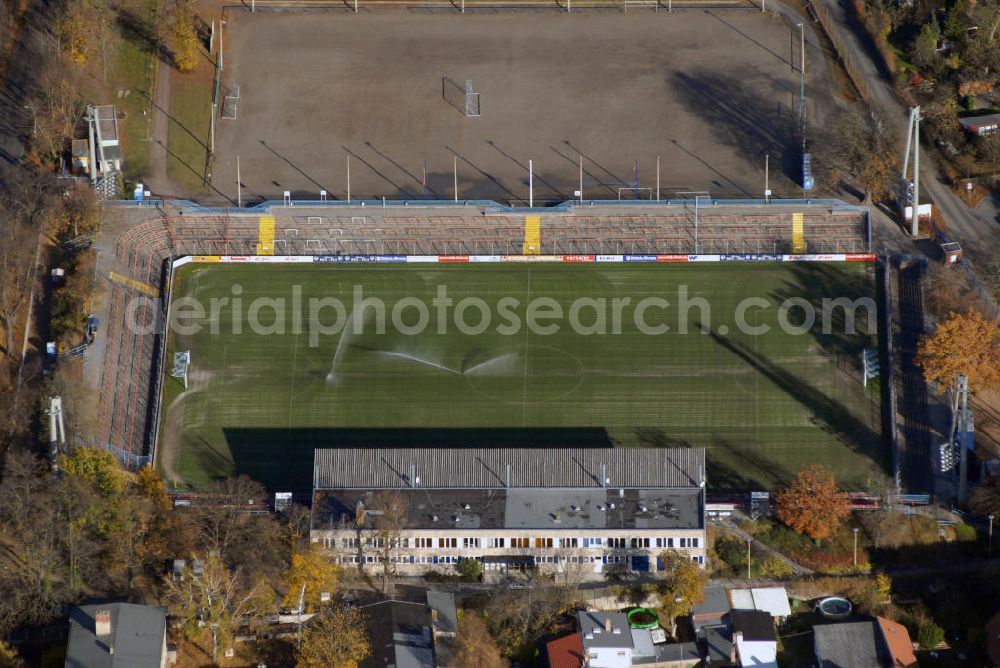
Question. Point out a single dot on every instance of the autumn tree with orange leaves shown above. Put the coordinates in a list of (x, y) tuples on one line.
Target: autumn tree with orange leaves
[(964, 343), (812, 504)]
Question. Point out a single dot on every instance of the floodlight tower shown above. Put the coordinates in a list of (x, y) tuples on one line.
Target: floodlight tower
[(912, 198), (57, 430)]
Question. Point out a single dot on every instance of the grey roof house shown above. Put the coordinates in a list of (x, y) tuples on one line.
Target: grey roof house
[(412, 635), (117, 635)]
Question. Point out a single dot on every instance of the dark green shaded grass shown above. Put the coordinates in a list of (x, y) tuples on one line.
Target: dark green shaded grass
[(763, 405)]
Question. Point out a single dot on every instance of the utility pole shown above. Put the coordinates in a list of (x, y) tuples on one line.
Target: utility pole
[(454, 169), (767, 178), (531, 185), (581, 178), (802, 83), (855, 531), (913, 141), (657, 178), (963, 427), (748, 559), (239, 187), (348, 177)]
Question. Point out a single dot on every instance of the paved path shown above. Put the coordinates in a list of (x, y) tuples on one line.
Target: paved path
[(158, 181)]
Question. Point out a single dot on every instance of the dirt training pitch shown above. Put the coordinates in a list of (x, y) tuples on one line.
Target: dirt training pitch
[(710, 92)]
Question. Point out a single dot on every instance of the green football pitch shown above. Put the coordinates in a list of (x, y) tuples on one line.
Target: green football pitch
[(259, 402)]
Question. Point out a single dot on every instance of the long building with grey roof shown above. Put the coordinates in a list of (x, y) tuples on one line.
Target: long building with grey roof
[(581, 509)]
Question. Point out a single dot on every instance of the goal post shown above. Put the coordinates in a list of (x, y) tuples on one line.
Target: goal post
[(182, 360)]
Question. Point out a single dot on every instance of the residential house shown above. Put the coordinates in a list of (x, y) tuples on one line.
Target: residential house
[(981, 126), (710, 620), (569, 510), (772, 600), (117, 635), (566, 652), (606, 640), (754, 639), (412, 635), (877, 643)]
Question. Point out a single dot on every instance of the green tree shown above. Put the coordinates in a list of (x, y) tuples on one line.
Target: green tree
[(470, 569), (929, 634), (925, 54), (97, 467)]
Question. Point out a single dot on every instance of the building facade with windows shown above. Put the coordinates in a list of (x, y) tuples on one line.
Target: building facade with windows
[(586, 510)]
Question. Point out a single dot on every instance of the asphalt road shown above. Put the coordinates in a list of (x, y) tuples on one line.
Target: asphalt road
[(971, 227)]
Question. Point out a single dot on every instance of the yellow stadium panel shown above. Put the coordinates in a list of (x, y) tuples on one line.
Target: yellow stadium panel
[(134, 284), (532, 235), (798, 234), (265, 239)]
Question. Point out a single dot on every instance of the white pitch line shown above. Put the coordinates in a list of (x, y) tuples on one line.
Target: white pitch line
[(524, 387)]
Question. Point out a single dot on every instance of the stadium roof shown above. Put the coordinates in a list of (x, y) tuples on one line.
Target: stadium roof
[(618, 508), (501, 468)]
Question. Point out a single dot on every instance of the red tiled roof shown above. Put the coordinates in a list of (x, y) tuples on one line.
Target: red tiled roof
[(897, 639), (566, 652)]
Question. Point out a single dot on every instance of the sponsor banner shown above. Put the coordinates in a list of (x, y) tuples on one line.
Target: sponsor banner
[(531, 258), (640, 258), (671, 258), (379, 259), (484, 258), (761, 257), (609, 258), (714, 258), (835, 257), (577, 258), (860, 257), (421, 258), (205, 258), (462, 259), (180, 262)]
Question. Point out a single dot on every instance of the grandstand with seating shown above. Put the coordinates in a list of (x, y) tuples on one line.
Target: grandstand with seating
[(147, 237)]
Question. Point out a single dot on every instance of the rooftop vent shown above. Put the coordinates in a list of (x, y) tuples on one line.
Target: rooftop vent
[(600, 507), (466, 506), (574, 508), (455, 517), (556, 518), (434, 518), (642, 509)]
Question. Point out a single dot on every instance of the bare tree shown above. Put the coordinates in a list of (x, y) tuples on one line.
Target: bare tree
[(389, 518), (222, 521), (217, 597)]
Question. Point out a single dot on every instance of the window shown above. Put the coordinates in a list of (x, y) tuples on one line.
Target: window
[(670, 542), (569, 542), (497, 542), (640, 542), (616, 542), (447, 542), (543, 542), (698, 560), (519, 542), (423, 543), (694, 542), (593, 542), (470, 542)]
